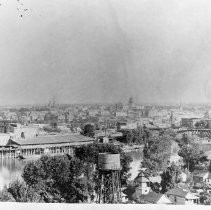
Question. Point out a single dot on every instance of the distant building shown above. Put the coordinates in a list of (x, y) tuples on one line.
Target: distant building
[(121, 114), (130, 102), (189, 122), (94, 113), (122, 125)]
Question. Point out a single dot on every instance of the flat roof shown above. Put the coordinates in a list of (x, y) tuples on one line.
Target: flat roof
[(55, 139)]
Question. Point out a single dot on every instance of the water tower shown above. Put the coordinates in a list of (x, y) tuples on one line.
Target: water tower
[(109, 178)]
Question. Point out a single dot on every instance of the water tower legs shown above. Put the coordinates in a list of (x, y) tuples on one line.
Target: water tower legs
[(109, 187)]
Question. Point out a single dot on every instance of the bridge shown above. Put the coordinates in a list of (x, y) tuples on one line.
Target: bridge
[(197, 131)]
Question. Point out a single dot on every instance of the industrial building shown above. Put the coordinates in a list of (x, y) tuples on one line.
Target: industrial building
[(50, 144)]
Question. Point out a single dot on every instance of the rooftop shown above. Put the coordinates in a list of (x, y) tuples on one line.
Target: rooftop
[(151, 197), (178, 192), (181, 193), (55, 139), (141, 178)]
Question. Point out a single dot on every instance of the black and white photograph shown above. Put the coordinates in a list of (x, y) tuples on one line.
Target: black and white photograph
[(105, 102)]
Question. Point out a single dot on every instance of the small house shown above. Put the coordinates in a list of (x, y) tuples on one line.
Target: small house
[(182, 197)]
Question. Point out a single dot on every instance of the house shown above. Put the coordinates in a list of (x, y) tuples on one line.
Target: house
[(181, 196), (141, 192), (154, 198), (134, 194), (201, 177), (140, 187), (142, 183)]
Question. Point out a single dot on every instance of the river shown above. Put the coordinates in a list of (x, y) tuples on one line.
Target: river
[(137, 156)]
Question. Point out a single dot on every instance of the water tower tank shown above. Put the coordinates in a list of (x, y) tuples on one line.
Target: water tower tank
[(108, 161)]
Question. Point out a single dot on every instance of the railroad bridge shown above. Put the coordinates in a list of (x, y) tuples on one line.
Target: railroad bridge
[(196, 131)]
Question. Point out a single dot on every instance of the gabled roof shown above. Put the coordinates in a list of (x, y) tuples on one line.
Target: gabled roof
[(141, 178), (151, 197), (11, 143), (181, 193), (4, 140), (177, 192)]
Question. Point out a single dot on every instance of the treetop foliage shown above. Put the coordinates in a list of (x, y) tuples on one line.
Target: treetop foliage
[(157, 151)]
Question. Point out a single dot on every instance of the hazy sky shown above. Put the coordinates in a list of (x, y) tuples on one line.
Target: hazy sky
[(83, 51)]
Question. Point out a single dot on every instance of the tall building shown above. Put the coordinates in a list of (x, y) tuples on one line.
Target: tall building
[(130, 102)]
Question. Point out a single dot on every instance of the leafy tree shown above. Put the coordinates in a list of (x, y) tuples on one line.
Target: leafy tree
[(89, 153), (59, 179), (50, 129), (192, 156), (89, 130), (155, 186), (201, 124), (184, 139), (205, 199), (5, 195), (134, 136), (23, 193), (156, 154), (170, 177)]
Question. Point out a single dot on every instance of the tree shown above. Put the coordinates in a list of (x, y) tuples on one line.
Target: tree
[(170, 177), (89, 130), (201, 124), (134, 136), (157, 151), (192, 156), (89, 153), (50, 129), (155, 186), (59, 179), (6, 196), (185, 139), (22, 192)]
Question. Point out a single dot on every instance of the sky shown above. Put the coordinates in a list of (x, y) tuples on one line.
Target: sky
[(91, 51)]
